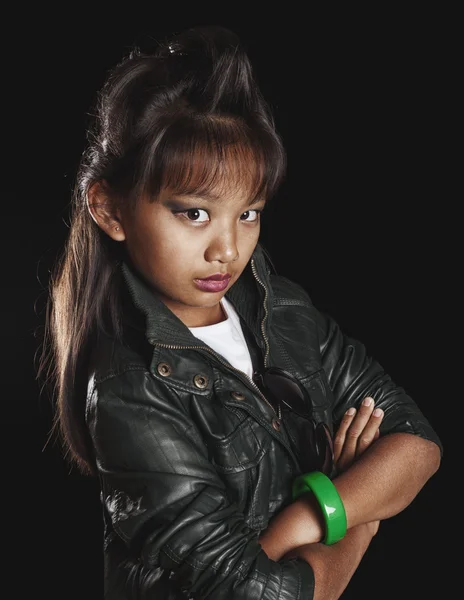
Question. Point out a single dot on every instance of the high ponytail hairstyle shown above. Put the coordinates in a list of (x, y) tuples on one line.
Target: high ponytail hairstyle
[(189, 116)]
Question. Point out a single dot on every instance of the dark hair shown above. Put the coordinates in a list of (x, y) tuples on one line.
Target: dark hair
[(195, 97)]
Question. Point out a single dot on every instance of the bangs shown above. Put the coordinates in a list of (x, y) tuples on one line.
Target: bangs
[(210, 156)]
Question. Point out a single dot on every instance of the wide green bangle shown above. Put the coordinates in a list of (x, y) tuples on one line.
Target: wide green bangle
[(329, 500)]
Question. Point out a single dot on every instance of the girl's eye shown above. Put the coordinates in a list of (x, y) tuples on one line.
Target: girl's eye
[(198, 215), (250, 215)]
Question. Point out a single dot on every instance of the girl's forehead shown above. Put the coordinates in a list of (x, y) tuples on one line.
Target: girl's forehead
[(216, 195)]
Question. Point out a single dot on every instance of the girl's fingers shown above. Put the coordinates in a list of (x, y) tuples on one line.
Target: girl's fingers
[(340, 436), (357, 427), (357, 431), (370, 431)]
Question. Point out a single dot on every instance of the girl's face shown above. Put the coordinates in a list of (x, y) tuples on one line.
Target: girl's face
[(178, 242)]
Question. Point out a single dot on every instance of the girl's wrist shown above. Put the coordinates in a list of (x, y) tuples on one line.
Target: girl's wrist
[(312, 527), (300, 523)]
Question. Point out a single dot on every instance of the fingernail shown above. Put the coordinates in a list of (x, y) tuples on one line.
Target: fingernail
[(378, 412), (368, 401), (351, 411)]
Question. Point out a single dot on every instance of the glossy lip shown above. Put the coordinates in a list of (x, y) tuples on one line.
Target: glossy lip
[(216, 277), (215, 283)]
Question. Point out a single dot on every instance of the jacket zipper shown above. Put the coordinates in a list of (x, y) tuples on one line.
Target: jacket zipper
[(218, 357), (263, 331), (266, 341)]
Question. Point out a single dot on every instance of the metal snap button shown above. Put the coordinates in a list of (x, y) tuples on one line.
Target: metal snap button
[(164, 369), (201, 381), (237, 396), (276, 424)]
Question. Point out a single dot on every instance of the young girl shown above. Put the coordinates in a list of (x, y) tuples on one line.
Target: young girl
[(245, 447)]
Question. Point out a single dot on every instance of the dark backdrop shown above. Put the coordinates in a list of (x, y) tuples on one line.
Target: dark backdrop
[(364, 103)]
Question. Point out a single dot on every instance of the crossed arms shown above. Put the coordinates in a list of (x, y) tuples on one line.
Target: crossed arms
[(378, 477)]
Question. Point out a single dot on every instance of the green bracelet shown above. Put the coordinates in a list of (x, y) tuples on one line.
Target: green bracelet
[(329, 500)]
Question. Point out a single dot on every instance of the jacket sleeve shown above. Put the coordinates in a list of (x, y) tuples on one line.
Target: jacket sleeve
[(353, 375), (170, 506)]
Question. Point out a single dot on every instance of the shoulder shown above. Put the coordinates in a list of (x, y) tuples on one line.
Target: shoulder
[(120, 386), (113, 356), (288, 292), (295, 316)]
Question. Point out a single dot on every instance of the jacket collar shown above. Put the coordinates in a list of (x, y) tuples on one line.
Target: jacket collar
[(251, 296)]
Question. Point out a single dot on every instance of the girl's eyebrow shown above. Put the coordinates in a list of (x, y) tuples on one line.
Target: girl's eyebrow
[(209, 197), (256, 200)]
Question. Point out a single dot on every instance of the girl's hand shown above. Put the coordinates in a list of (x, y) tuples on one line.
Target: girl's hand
[(373, 527), (357, 431)]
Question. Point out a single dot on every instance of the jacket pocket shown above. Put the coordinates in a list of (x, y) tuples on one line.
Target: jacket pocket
[(242, 449), (246, 464)]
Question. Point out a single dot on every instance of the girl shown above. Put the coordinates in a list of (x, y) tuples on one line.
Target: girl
[(245, 447)]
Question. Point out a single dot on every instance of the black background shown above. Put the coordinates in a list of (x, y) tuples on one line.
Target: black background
[(365, 103)]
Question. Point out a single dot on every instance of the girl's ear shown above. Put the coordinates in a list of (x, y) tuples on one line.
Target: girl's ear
[(103, 212)]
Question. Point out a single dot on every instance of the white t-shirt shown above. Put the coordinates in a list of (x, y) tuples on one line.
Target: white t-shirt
[(226, 338)]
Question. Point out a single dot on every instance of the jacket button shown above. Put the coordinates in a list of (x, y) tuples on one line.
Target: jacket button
[(237, 396), (164, 369), (201, 381), (276, 424)]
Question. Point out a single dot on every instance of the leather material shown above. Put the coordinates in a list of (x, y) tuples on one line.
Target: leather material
[(191, 465)]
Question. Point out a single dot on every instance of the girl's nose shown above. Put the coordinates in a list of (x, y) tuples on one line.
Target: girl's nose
[(222, 249)]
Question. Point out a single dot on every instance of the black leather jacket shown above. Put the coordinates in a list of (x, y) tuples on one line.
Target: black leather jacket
[(192, 459)]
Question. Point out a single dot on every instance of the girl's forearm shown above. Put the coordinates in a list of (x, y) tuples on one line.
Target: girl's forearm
[(381, 483), (387, 477)]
